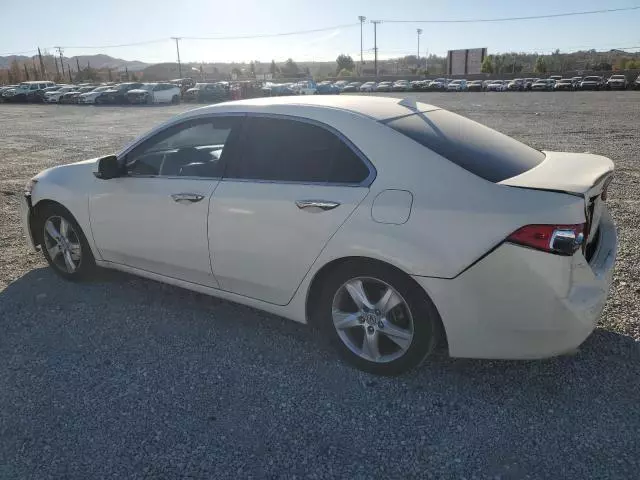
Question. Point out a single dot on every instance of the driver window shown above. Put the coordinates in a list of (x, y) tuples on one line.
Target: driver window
[(191, 149)]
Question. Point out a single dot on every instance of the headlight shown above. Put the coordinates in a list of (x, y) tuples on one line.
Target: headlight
[(28, 188)]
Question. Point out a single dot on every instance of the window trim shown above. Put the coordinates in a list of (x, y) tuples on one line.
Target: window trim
[(348, 143)]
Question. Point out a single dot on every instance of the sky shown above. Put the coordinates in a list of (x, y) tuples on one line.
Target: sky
[(80, 24)]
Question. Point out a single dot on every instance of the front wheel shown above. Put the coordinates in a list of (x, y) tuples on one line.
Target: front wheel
[(378, 318), (64, 245)]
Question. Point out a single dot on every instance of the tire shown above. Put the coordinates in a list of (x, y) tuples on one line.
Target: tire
[(413, 321), (79, 250), (149, 99), (175, 100)]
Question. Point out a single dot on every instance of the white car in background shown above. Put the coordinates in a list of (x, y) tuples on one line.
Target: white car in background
[(54, 96), (155, 93), (392, 225), (457, 86), (497, 86), (307, 87), (368, 87), (90, 97)]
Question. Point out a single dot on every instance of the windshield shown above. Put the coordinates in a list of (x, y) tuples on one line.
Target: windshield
[(592, 79), (455, 82), (618, 77), (497, 82), (101, 89)]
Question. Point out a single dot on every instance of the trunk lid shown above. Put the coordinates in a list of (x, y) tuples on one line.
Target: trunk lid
[(581, 174)]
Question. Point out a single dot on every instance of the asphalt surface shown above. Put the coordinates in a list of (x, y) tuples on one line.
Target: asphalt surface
[(128, 378)]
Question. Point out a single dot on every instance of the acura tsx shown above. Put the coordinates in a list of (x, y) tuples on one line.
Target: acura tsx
[(393, 226)]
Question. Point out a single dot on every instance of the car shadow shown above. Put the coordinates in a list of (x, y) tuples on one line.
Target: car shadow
[(124, 357)]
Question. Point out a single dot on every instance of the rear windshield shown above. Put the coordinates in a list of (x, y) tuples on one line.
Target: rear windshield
[(470, 145)]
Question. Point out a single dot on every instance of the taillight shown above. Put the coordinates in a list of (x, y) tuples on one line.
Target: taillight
[(559, 239)]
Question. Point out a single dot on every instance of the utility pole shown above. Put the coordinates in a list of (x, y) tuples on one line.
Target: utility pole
[(375, 46), (419, 30), (362, 19), (43, 73), (69, 70), (61, 64), (177, 39)]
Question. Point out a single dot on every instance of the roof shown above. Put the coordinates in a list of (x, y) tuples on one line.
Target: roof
[(377, 108)]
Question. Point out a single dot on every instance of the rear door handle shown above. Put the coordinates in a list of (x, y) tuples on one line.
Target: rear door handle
[(187, 197), (316, 204)]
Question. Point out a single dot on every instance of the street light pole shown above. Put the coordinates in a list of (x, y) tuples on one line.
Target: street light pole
[(375, 46), (362, 19), (419, 30)]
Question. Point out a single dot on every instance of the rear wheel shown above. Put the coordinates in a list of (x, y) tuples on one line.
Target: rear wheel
[(64, 245), (378, 318)]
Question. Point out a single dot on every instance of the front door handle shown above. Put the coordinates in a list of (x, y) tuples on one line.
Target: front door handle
[(316, 204), (187, 197)]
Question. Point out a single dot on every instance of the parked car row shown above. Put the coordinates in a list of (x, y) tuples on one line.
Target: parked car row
[(170, 92), (114, 94), (554, 82)]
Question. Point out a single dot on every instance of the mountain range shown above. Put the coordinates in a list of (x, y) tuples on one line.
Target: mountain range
[(96, 61)]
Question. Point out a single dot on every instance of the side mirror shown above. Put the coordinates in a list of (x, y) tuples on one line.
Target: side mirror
[(108, 167)]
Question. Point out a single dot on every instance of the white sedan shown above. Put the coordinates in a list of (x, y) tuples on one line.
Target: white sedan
[(54, 96), (90, 97), (392, 225)]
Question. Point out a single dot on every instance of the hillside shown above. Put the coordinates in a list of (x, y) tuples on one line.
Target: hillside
[(96, 61)]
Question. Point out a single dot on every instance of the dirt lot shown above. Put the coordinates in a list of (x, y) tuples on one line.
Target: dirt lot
[(127, 378)]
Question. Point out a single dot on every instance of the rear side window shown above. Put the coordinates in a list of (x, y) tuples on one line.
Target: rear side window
[(277, 149), (470, 145)]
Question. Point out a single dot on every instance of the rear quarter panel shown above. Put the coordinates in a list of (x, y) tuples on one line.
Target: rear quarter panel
[(456, 217)]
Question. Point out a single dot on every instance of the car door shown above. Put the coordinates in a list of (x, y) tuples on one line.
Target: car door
[(283, 196), (155, 217)]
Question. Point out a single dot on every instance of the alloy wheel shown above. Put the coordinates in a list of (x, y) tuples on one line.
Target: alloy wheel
[(62, 244), (372, 319)]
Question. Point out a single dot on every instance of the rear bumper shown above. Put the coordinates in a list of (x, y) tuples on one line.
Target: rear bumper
[(519, 303)]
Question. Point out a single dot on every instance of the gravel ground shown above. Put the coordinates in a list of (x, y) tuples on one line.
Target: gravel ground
[(128, 378)]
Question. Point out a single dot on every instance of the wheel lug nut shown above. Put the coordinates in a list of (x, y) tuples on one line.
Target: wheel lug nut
[(370, 329), (361, 319), (377, 312)]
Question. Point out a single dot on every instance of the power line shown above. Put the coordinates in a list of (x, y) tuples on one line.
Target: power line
[(510, 19), (270, 35), (146, 42), (9, 54)]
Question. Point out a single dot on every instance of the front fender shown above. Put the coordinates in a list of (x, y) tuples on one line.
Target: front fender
[(69, 186)]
